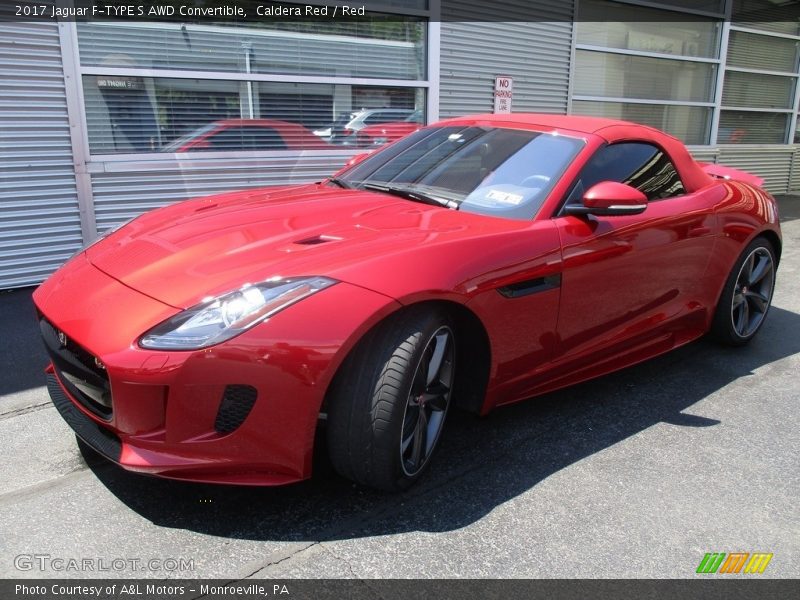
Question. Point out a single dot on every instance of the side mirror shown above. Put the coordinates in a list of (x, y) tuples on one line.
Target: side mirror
[(610, 199)]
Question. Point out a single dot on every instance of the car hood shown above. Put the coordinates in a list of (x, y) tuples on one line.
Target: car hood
[(187, 251)]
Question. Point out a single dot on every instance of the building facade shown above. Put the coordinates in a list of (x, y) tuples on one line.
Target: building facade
[(103, 120)]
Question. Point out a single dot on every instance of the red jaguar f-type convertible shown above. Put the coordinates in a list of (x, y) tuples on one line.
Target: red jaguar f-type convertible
[(474, 263)]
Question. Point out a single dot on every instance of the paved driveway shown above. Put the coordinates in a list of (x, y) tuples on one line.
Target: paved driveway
[(637, 474)]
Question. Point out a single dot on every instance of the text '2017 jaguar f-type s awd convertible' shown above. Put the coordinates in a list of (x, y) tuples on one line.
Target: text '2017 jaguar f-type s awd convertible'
[(473, 263)]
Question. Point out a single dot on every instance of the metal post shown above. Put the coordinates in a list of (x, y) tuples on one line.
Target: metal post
[(68, 39)]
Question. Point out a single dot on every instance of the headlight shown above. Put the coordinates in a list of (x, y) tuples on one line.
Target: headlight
[(218, 319)]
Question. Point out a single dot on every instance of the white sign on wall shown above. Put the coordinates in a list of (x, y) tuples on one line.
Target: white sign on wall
[(503, 93)]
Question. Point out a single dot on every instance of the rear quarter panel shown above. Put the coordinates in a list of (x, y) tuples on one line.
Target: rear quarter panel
[(743, 213)]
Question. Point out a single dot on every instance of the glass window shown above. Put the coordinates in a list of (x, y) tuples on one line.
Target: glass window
[(762, 52), (688, 123), (757, 91), (767, 15), (493, 171), (644, 89), (624, 26), (640, 165), (153, 114), (385, 46), (745, 127), (712, 6), (626, 76)]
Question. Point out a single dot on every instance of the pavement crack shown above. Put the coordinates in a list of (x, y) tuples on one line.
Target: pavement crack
[(25, 410), (342, 560), (282, 559)]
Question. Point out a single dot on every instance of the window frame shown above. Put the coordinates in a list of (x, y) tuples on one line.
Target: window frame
[(716, 62), (790, 112), (562, 203), (726, 24), (429, 87)]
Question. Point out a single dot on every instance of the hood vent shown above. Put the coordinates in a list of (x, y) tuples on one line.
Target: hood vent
[(318, 239)]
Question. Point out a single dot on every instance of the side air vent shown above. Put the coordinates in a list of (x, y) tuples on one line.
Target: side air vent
[(237, 402)]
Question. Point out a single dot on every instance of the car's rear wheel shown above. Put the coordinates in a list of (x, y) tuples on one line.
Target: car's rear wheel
[(388, 405), (747, 296)]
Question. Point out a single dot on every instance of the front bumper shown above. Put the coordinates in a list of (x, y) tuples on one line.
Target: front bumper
[(242, 412)]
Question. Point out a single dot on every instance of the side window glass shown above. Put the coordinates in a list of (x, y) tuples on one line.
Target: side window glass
[(640, 165), (262, 138), (378, 117), (227, 139), (247, 138)]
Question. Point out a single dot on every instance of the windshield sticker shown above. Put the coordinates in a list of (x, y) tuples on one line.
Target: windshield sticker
[(504, 197)]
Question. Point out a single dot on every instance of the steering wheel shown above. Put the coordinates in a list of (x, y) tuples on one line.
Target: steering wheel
[(535, 181)]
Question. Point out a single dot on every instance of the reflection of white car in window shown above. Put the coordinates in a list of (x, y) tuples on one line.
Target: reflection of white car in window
[(347, 124)]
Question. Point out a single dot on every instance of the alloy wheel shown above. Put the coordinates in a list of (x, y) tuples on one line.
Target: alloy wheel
[(753, 292), (427, 402)]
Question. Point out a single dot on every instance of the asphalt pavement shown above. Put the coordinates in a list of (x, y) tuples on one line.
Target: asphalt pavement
[(636, 474)]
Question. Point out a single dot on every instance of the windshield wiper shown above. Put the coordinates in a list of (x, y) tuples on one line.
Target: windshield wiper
[(410, 194), (340, 182)]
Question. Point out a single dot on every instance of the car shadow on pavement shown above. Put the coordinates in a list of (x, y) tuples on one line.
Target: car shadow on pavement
[(22, 353), (481, 464)]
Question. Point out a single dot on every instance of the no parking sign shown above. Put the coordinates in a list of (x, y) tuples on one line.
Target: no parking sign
[(503, 93)]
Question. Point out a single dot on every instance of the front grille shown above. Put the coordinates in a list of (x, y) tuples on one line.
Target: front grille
[(78, 371), (237, 402), (99, 438)]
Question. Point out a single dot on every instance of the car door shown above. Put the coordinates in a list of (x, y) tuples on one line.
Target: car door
[(630, 283)]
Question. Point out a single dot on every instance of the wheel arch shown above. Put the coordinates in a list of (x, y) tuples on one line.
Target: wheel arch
[(768, 234), (774, 239), (473, 352)]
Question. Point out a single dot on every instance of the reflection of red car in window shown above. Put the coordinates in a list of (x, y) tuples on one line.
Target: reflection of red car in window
[(247, 134)]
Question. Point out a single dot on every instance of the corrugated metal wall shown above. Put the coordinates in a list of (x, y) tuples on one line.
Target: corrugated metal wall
[(704, 153), (772, 163), (39, 215), (779, 166), (535, 53), (125, 189)]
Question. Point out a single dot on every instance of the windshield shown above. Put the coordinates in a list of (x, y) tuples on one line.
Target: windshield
[(492, 171)]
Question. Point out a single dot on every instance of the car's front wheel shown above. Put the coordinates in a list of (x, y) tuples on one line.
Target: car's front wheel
[(747, 296), (387, 407)]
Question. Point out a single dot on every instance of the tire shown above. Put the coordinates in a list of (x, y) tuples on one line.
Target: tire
[(747, 296), (388, 404)]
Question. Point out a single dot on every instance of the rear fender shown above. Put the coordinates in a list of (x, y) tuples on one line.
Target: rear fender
[(723, 172)]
